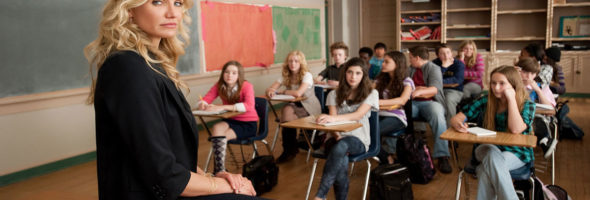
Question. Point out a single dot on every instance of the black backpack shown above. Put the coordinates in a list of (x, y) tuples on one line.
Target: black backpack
[(390, 181), (412, 152), (263, 172), (567, 128)]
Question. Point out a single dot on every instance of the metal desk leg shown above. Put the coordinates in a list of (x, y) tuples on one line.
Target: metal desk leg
[(278, 121)]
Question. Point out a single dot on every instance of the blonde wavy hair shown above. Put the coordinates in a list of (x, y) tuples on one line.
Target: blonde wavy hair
[(287, 81), (470, 62), (513, 77), (117, 32)]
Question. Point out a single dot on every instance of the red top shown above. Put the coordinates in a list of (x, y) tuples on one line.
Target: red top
[(246, 97), (418, 79)]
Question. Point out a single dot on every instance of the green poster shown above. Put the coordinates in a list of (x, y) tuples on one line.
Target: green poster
[(297, 29)]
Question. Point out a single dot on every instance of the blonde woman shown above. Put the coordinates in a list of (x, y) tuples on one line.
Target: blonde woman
[(146, 137), (298, 82), (474, 69)]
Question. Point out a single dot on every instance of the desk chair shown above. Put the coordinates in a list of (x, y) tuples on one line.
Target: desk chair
[(371, 152), (523, 173), (262, 111), (321, 95)]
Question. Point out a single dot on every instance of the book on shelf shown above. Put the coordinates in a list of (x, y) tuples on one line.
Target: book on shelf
[(407, 36), (421, 33), (481, 131)]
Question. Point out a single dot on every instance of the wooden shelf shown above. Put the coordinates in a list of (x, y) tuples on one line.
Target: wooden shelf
[(571, 39), (419, 11), (520, 38), (467, 26), (579, 4), (469, 38), (468, 9), (526, 11), (419, 23), (419, 41)]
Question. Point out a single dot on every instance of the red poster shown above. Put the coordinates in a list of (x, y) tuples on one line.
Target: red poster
[(236, 32)]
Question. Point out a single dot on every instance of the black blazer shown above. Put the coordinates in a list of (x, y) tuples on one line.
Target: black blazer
[(146, 135)]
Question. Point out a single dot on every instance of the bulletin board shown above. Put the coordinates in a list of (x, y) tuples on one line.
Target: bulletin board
[(257, 35)]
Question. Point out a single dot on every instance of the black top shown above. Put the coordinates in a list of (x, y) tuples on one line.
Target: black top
[(146, 135), (331, 73)]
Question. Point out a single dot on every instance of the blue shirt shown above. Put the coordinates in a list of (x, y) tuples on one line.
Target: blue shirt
[(452, 74), (375, 68)]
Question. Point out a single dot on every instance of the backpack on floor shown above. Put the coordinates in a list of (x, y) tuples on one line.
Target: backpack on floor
[(390, 181), (412, 152), (567, 128), (263, 172), (548, 192)]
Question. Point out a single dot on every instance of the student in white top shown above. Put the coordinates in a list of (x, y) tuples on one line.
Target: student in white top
[(352, 101), (298, 82)]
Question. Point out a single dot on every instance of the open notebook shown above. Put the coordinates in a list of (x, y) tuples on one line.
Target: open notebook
[(337, 123), (282, 97), (481, 131), (204, 112)]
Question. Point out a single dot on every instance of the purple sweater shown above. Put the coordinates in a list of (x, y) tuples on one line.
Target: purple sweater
[(475, 73)]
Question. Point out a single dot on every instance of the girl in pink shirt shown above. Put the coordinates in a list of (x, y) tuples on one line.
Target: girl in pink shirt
[(474, 68), (237, 95)]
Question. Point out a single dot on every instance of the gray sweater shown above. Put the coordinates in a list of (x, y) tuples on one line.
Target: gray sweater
[(432, 77)]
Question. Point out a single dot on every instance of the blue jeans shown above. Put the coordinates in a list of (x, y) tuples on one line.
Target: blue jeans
[(336, 168), (434, 113), (493, 173), (390, 125)]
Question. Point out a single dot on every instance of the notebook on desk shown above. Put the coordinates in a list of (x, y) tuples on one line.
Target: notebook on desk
[(337, 123), (282, 97), (204, 112), (481, 131)]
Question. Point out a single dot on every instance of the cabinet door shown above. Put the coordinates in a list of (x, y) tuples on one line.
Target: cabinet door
[(568, 64), (583, 73)]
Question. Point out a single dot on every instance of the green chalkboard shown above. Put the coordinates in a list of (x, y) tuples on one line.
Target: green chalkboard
[(297, 29), (43, 41)]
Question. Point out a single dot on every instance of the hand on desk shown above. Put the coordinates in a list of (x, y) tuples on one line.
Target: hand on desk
[(213, 108), (323, 118), (239, 184)]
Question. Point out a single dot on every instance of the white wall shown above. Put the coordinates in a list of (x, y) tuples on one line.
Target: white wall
[(346, 24)]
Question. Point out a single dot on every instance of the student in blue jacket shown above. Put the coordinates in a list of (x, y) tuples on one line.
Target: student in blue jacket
[(452, 71)]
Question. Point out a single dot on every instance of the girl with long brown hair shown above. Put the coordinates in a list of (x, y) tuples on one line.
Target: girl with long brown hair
[(236, 94), (506, 109), (352, 101), (394, 87)]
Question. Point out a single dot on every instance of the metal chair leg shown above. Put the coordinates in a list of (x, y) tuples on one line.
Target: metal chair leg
[(208, 160), (315, 163), (459, 179), (310, 145), (533, 187), (351, 168), (367, 179), (255, 149), (274, 141)]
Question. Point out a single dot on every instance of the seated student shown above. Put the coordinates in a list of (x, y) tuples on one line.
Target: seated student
[(377, 60), (298, 82), (428, 80), (528, 70), (366, 53), (452, 72), (537, 53), (237, 94), (505, 109), (353, 100), (394, 87), (339, 52), (552, 56), (474, 69)]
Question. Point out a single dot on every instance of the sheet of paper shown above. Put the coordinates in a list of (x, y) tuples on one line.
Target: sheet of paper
[(337, 123), (204, 112), (282, 97), (481, 131)]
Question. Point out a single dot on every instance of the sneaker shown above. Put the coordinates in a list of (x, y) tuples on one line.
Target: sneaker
[(286, 157), (469, 168), (444, 166), (548, 145)]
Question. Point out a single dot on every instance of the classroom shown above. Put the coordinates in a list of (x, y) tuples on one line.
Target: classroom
[(379, 76)]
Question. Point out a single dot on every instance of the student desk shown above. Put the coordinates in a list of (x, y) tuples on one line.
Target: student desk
[(450, 85), (501, 138), (277, 119), (308, 123), (548, 112), (392, 107), (225, 115), (325, 86)]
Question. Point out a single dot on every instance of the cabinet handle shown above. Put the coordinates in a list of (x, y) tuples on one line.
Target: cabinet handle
[(578, 72)]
